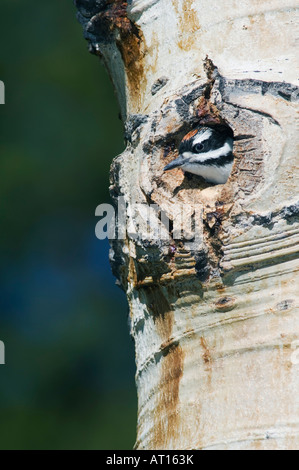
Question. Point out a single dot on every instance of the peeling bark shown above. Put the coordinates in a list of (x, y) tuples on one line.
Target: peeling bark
[(215, 321)]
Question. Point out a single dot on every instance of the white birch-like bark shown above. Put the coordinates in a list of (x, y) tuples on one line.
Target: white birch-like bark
[(216, 321)]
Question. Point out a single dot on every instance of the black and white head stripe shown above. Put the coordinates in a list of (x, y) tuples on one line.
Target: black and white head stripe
[(201, 141), (208, 152)]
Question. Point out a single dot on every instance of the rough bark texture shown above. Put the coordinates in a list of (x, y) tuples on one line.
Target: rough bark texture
[(215, 322)]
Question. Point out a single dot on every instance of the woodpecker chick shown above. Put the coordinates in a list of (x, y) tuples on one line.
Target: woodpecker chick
[(206, 151)]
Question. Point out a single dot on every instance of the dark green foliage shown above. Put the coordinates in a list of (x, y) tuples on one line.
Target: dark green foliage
[(69, 378)]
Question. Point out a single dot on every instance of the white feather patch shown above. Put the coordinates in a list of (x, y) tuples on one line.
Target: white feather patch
[(205, 136), (211, 173)]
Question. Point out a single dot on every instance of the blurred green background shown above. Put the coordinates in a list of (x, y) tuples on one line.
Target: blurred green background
[(68, 382)]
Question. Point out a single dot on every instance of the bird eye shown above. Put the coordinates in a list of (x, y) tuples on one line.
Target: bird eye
[(197, 148)]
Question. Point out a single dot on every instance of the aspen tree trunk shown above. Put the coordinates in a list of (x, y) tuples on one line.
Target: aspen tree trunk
[(214, 317)]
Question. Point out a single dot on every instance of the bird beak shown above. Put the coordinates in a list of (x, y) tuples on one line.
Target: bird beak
[(174, 164)]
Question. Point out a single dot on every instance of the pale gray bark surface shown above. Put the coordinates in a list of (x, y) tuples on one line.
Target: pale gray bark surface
[(215, 323)]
